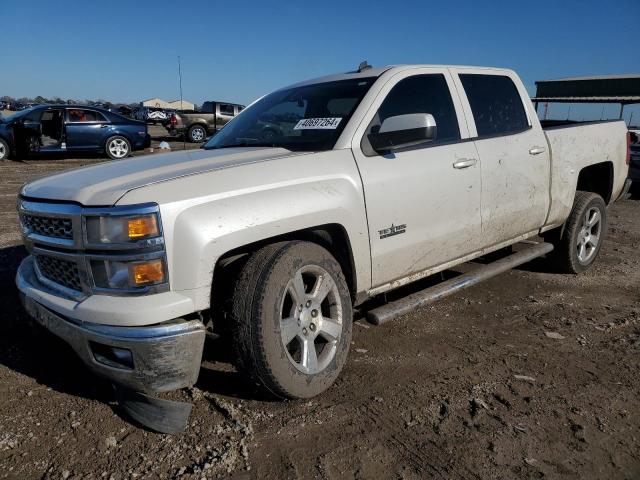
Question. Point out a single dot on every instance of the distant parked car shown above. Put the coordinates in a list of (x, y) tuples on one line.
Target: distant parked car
[(15, 106), (197, 126), (153, 115), (125, 110), (70, 128)]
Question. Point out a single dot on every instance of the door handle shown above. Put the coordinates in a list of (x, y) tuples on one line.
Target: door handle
[(536, 150), (464, 163)]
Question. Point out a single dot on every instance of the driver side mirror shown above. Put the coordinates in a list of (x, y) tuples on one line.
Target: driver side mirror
[(403, 131)]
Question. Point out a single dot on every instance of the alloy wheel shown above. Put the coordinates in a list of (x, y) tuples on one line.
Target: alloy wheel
[(589, 235), (197, 134), (118, 148), (311, 319)]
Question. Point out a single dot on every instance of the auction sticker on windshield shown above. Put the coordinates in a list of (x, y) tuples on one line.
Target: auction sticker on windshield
[(318, 123)]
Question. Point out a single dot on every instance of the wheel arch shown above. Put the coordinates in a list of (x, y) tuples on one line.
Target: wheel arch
[(333, 237), (117, 133), (597, 178)]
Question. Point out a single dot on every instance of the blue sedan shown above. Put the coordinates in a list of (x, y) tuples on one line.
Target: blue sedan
[(48, 129)]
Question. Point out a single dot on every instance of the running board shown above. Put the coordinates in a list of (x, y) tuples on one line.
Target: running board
[(395, 309)]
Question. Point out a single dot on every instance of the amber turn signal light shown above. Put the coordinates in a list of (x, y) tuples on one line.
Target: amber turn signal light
[(147, 273), (141, 227)]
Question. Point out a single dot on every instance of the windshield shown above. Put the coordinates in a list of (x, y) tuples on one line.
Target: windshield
[(19, 114), (309, 117)]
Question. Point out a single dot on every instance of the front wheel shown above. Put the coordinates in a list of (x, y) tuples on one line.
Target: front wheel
[(291, 319), (4, 150), (117, 147), (578, 243)]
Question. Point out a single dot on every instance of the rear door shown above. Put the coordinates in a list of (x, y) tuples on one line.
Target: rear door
[(512, 149), (423, 202), (85, 129), (225, 113)]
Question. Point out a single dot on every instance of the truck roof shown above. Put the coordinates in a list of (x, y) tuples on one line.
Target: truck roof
[(377, 71)]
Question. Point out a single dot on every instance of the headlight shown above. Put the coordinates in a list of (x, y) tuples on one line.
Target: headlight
[(114, 274), (122, 229)]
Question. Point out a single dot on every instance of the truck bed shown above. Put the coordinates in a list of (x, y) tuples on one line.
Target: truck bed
[(574, 146)]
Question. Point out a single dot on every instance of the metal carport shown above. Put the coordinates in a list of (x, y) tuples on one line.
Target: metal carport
[(621, 89)]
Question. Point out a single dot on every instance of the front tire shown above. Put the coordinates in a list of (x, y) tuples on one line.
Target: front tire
[(578, 243), (197, 134), (291, 319), (117, 147), (4, 150)]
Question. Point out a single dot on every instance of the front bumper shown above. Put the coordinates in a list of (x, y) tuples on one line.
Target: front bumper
[(154, 358)]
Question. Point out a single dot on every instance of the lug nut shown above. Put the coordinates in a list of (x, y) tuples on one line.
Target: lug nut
[(314, 313), (308, 303), (298, 322), (312, 327), (304, 331)]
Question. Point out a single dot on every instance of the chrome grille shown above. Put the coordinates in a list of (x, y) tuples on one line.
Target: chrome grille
[(60, 271), (47, 226)]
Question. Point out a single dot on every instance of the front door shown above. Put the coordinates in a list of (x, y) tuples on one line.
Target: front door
[(513, 151), (423, 202), (85, 129)]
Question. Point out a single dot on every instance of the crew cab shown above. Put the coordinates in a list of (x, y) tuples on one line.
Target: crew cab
[(56, 129), (197, 126), (377, 178)]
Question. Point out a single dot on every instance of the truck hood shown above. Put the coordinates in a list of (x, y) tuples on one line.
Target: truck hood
[(105, 183)]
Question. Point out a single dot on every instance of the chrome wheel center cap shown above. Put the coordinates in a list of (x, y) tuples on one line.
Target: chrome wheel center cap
[(305, 317)]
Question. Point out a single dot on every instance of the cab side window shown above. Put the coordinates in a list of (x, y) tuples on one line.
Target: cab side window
[(495, 103), (422, 94), (226, 109), (78, 115)]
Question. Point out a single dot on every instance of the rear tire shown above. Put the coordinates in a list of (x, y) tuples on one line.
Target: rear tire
[(577, 244), (197, 134), (291, 319), (117, 147), (4, 150)]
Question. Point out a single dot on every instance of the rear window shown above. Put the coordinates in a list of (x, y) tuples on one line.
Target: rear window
[(496, 104)]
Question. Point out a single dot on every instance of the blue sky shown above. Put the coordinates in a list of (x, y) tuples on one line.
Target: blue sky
[(123, 50)]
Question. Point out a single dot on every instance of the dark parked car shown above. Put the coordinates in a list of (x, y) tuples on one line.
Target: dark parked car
[(70, 128)]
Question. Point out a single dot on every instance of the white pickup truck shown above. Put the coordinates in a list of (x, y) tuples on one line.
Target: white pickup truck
[(373, 179)]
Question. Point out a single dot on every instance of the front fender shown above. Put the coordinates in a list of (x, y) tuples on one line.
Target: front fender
[(268, 199)]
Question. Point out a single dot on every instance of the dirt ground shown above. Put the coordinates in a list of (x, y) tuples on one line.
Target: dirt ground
[(529, 375)]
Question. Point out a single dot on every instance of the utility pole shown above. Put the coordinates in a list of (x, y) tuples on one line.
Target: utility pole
[(180, 77)]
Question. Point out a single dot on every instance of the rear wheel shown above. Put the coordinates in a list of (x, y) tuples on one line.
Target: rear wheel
[(117, 147), (197, 134), (578, 243), (291, 319), (4, 150)]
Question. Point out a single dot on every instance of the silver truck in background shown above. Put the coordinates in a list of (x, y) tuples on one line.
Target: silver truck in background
[(197, 126), (376, 178)]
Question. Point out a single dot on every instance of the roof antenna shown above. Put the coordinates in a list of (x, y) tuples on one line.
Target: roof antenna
[(364, 66)]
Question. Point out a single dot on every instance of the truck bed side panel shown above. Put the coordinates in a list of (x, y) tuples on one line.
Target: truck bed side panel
[(574, 147)]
